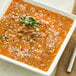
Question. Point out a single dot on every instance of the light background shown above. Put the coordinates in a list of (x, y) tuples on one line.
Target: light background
[(8, 69)]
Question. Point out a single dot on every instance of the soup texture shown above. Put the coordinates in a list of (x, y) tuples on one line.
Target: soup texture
[(31, 34)]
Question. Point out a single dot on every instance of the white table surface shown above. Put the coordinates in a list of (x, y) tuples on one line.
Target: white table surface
[(8, 69)]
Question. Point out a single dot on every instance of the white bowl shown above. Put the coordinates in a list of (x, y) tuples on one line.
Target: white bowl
[(3, 10)]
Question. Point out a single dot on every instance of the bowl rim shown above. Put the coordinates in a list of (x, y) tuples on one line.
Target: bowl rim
[(54, 63)]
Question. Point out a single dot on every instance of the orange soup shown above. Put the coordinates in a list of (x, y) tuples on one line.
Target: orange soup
[(31, 34)]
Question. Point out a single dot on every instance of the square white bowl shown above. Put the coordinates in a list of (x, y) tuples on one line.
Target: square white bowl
[(3, 10)]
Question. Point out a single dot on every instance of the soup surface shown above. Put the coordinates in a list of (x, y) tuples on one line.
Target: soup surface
[(37, 46)]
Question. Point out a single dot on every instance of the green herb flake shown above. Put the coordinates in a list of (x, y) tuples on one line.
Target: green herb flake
[(29, 22), (22, 19), (3, 37)]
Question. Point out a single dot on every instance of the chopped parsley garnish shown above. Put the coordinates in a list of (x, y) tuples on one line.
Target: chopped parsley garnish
[(29, 22), (3, 37)]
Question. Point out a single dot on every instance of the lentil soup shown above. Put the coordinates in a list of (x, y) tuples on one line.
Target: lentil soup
[(37, 46)]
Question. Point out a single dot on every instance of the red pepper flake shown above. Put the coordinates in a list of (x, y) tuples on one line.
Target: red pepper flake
[(48, 53), (21, 49)]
